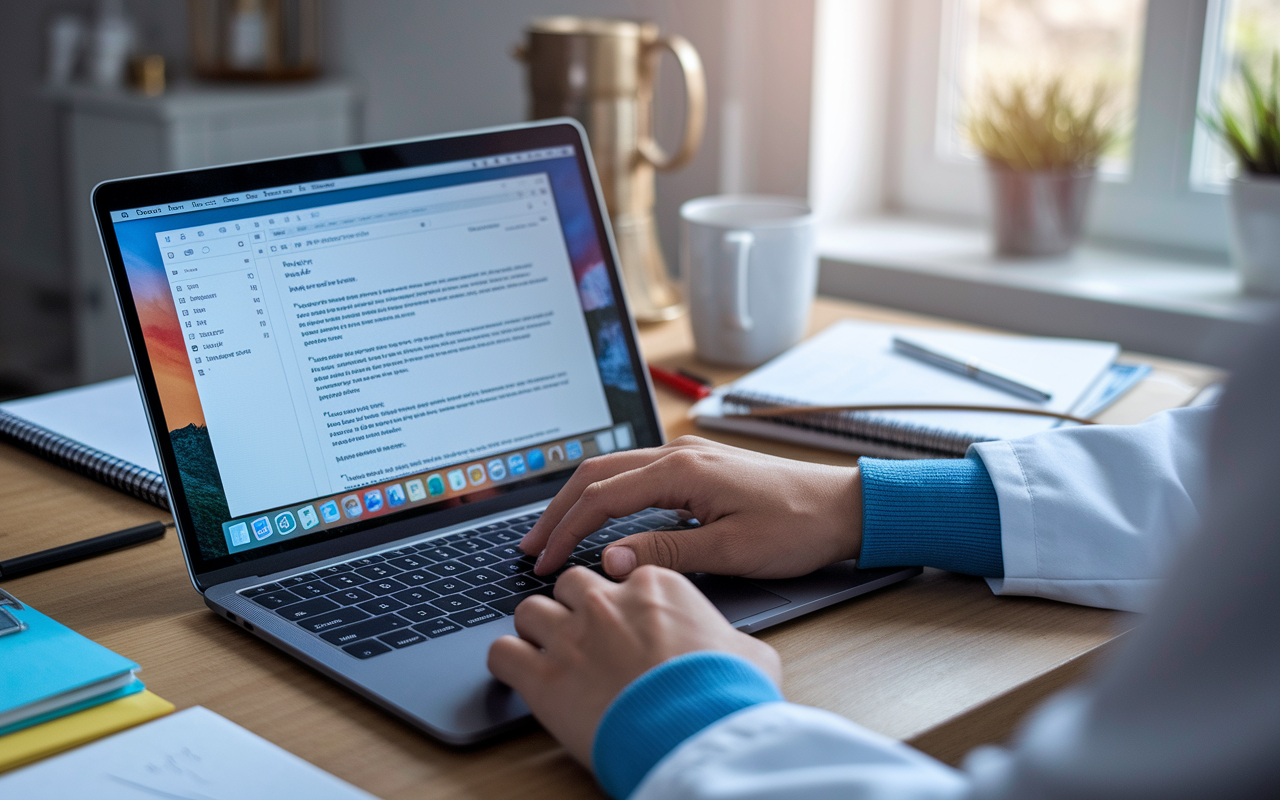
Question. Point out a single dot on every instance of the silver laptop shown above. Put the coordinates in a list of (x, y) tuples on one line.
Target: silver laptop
[(367, 371)]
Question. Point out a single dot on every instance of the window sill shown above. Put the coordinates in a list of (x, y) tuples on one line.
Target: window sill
[(1153, 304)]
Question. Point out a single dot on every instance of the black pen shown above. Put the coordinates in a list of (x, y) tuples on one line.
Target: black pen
[(78, 551)]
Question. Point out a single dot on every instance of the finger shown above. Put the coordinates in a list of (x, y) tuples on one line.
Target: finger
[(538, 618), (515, 662), (575, 583), (663, 483), (588, 472), (702, 549)]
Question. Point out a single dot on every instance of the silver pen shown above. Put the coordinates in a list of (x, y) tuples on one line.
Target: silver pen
[(974, 368)]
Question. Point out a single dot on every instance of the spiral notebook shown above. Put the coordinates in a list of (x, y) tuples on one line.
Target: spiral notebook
[(99, 431), (855, 363)]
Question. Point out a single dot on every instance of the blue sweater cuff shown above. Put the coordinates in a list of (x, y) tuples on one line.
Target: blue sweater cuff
[(934, 513), (667, 705)]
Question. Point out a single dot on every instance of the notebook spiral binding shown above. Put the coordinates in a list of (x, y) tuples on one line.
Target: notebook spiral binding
[(860, 425), (115, 472)]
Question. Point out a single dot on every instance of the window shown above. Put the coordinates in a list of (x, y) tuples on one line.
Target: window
[(1236, 32), (1087, 43), (943, 50)]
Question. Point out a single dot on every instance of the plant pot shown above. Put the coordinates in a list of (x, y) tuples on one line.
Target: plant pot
[(1038, 213), (1255, 232)]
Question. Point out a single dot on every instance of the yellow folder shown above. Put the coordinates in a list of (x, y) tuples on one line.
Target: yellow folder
[(64, 733)]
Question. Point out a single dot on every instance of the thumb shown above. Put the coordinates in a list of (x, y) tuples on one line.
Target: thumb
[(683, 550)]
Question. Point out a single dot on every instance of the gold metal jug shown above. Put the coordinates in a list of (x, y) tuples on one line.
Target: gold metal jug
[(601, 72)]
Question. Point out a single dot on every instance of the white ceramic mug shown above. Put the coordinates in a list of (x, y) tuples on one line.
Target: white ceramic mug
[(750, 271)]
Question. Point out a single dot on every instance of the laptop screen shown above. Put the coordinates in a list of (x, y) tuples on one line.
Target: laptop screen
[(327, 354)]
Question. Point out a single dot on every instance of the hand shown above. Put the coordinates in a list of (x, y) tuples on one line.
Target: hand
[(577, 652), (762, 516)]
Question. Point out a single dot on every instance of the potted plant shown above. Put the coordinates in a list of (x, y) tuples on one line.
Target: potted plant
[(1254, 139), (1042, 148)]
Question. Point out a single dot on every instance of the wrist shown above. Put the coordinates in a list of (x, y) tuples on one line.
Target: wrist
[(853, 516)]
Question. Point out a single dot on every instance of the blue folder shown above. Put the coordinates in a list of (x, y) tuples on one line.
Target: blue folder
[(49, 670)]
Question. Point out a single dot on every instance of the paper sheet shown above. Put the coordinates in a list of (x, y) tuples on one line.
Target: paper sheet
[(107, 416), (192, 755)]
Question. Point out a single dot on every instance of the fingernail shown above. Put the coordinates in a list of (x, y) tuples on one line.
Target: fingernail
[(538, 563), (619, 560)]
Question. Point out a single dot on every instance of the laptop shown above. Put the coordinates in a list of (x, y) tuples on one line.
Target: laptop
[(367, 371)]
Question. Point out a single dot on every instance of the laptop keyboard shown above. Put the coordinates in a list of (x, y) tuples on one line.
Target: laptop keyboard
[(375, 604)]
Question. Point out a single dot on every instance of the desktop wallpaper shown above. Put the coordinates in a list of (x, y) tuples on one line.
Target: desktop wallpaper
[(175, 382)]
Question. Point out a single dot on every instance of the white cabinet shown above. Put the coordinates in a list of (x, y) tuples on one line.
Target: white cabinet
[(116, 134)]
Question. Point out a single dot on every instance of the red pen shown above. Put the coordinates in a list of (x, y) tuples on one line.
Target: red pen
[(683, 385)]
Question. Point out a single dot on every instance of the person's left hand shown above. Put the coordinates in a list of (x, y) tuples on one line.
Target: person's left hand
[(577, 652)]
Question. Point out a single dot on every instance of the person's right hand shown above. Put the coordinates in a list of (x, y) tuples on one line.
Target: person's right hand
[(761, 516)]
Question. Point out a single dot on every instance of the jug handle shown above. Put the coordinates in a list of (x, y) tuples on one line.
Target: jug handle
[(695, 118)]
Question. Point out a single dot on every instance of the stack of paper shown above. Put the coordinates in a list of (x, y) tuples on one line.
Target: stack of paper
[(59, 689)]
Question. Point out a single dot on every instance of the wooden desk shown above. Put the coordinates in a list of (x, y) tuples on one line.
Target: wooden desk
[(939, 661)]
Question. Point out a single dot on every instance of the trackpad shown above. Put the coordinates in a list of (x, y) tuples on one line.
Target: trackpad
[(737, 599)]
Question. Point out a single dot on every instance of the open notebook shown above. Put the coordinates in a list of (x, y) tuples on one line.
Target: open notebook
[(854, 362), (98, 430)]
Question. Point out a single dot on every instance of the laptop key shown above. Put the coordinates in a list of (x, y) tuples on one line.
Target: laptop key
[(349, 597), (312, 589), (440, 553), (479, 576), (453, 603), (437, 627), (471, 545), (415, 595), (507, 605), (297, 580), (402, 638), (381, 605), (518, 566), (522, 528), (416, 578), (337, 619), (384, 586), (448, 569), (366, 561), (506, 551), (603, 536), (257, 590), (420, 613), (474, 616), (407, 550), (346, 580), (307, 608), (484, 594), (497, 526), (375, 571), (520, 584), (336, 569), (276, 599), (368, 649), (479, 559), (502, 537), (447, 586), (408, 562), (363, 630)]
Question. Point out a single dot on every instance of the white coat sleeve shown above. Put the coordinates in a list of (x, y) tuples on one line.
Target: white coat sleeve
[(1190, 707), (1094, 515)]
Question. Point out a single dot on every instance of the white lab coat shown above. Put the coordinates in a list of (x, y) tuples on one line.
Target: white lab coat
[(1189, 709)]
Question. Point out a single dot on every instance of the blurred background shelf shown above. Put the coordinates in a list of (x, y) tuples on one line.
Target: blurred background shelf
[(113, 134)]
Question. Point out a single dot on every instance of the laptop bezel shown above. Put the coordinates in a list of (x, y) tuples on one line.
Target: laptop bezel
[(179, 186)]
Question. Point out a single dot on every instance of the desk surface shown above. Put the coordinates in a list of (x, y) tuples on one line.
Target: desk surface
[(938, 661)]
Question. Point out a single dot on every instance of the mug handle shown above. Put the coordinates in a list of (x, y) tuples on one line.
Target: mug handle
[(740, 319), (695, 117)]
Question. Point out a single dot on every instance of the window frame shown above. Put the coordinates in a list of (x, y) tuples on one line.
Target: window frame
[(1156, 205)]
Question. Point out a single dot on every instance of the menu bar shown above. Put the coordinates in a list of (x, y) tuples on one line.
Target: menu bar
[(320, 187)]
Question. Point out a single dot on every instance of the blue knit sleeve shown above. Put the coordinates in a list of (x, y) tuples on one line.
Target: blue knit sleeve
[(934, 513), (667, 705)]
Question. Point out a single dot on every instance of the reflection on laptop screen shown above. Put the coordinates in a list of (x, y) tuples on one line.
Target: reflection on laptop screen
[(333, 352)]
